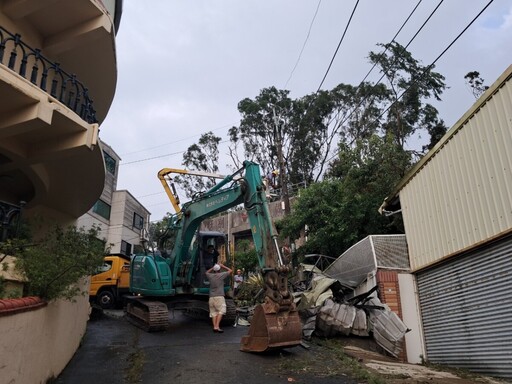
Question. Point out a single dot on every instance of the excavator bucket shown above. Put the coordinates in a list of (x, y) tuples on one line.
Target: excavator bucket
[(272, 331)]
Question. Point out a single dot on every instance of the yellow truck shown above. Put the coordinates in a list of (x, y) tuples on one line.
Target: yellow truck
[(111, 282)]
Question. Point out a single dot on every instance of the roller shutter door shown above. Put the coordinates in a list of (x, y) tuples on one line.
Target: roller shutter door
[(466, 306)]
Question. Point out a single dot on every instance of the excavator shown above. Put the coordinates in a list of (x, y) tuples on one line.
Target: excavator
[(174, 277)]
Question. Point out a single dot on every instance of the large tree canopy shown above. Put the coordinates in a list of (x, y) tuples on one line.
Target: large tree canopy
[(354, 136), (283, 134)]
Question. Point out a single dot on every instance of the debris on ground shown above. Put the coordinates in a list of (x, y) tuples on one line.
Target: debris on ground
[(328, 308)]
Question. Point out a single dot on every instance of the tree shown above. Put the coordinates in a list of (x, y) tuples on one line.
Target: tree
[(343, 208), (476, 83), (409, 84), (246, 257), (283, 134), (203, 156)]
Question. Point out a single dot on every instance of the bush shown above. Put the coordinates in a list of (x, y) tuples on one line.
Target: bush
[(54, 265)]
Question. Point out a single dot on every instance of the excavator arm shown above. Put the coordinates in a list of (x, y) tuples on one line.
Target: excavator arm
[(275, 323)]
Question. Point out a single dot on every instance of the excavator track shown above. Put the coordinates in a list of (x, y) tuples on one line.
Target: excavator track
[(149, 315)]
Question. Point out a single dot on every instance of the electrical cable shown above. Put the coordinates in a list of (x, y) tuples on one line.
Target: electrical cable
[(174, 142), (429, 67), (338, 47), (382, 53), (303, 45), (160, 156)]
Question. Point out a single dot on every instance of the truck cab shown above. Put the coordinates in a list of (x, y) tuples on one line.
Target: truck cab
[(111, 281)]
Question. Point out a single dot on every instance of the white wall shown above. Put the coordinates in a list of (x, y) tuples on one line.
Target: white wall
[(411, 316), (36, 345)]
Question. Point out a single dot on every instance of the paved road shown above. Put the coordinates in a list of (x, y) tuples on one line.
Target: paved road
[(115, 352)]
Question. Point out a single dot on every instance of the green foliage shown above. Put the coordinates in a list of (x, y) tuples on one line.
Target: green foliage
[(280, 133), (251, 291), (203, 156), (55, 263), (409, 85), (2, 287), (157, 232), (246, 257), (476, 83), (343, 209)]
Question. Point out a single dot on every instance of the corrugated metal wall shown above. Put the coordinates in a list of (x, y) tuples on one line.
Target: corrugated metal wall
[(462, 195), (466, 308)]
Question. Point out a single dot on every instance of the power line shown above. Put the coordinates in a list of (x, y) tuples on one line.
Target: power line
[(151, 158), (438, 57), (430, 66), (159, 157), (362, 81), (174, 142), (339, 44), (393, 39), (151, 194), (345, 118), (304, 45)]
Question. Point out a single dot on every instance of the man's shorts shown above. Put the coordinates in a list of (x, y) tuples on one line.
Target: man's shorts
[(217, 306)]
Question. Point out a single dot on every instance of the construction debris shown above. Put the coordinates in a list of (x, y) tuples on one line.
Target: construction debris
[(329, 308)]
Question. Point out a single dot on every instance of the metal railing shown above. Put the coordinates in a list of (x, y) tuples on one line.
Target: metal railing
[(10, 215), (63, 86), (293, 190)]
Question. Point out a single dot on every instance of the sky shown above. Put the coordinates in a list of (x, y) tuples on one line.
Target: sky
[(184, 65)]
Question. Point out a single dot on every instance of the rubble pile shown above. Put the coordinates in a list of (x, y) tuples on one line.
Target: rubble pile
[(329, 309)]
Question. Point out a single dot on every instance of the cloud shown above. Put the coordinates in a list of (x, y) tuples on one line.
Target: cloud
[(184, 65)]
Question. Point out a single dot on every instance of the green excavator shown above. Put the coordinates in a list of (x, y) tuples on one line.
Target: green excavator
[(175, 278)]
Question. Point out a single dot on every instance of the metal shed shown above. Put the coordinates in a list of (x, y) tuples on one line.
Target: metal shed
[(457, 209)]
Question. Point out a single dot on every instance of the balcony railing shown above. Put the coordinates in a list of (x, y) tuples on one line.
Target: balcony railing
[(9, 220), (63, 86)]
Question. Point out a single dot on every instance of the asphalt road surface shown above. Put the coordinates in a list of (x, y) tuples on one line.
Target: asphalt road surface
[(114, 351)]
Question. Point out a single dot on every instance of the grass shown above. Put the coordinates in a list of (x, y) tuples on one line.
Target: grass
[(136, 361), (328, 360)]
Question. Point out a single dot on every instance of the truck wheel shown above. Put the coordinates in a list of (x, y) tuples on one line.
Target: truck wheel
[(106, 299)]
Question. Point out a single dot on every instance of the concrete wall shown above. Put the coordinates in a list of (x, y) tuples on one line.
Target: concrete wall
[(37, 344)]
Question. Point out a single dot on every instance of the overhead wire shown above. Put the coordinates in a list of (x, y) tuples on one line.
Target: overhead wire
[(385, 50), (430, 66), (160, 156), (175, 141), (338, 47), (303, 45), (382, 53), (438, 57)]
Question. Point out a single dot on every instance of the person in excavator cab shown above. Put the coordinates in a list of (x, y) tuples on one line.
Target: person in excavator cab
[(211, 257)]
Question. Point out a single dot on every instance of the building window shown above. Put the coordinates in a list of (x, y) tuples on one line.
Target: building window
[(102, 209), (110, 163), (126, 248), (138, 221)]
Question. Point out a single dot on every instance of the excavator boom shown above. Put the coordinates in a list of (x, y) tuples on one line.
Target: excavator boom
[(175, 272)]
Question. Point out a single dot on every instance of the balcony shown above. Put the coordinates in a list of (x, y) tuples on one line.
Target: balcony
[(57, 82)]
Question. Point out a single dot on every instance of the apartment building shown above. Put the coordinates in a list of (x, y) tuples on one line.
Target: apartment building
[(122, 219)]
